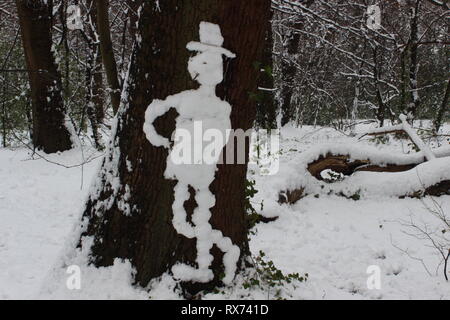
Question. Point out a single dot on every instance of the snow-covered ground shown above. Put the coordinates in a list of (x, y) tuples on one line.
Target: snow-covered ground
[(39, 205), (331, 238)]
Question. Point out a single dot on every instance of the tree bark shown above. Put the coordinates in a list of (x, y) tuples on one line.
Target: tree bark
[(413, 45), (266, 112), (94, 78), (134, 6), (377, 67), (146, 235), (94, 98), (288, 70), (445, 105), (49, 131), (443, 109), (109, 61)]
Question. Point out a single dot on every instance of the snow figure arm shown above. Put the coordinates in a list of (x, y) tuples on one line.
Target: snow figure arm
[(156, 109)]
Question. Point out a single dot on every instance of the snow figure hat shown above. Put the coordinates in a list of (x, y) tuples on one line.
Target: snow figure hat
[(211, 40)]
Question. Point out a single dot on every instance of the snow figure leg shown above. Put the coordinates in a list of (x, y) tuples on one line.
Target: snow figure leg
[(180, 223), (206, 238), (231, 255), (203, 232), (206, 200)]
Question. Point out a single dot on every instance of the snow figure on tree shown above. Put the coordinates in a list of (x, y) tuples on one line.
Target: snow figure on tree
[(195, 107)]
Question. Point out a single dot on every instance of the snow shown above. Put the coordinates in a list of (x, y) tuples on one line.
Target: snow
[(335, 240), (211, 41), (107, 173), (331, 238), (194, 107), (415, 138), (294, 173), (39, 204)]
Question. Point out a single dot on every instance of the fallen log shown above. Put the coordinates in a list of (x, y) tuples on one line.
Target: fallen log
[(337, 163), (437, 190), (344, 164)]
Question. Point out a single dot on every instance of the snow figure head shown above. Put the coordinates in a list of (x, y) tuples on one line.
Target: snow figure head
[(207, 66)]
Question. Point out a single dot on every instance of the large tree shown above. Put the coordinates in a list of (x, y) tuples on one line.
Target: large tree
[(49, 131), (129, 212)]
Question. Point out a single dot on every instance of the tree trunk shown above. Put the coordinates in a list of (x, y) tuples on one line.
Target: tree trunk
[(109, 61), (377, 68), (133, 219), (94, 99), (94, 78), (288, 71), (404, 80), (49, 131), (266, 112), (4, 116), (133, 16), (443, 108), (96, 56), (413, 107)]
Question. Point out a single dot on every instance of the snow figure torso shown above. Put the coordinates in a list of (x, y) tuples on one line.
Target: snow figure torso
[(194, 107)]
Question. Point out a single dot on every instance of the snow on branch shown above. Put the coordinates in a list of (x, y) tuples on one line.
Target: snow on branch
[(404, 127)]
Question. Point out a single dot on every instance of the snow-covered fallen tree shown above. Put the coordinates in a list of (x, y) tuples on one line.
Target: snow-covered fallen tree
[(365, 171)]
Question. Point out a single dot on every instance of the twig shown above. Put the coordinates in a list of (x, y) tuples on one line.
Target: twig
[(34, 152), (410, 256), (446, 264)]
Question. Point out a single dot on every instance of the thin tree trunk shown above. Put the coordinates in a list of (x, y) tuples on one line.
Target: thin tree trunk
[(444, 108), (266, 112), (66, 56), (98, 89), (4, 116), (94, 101), (94, 78), (109, 61), (404, 56), (49, 131), (381, 110), (145, 234), (413, 107), (134, 6), (95, 51), (288, 71)]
